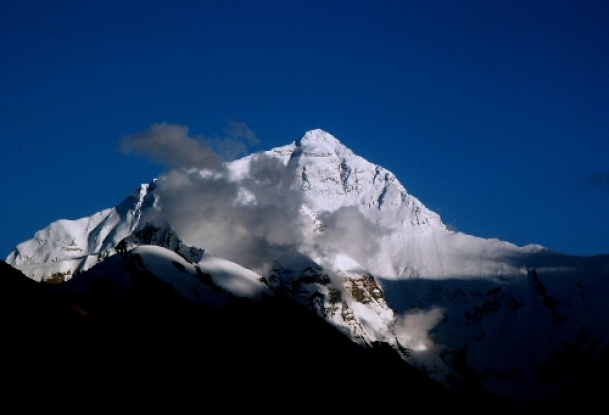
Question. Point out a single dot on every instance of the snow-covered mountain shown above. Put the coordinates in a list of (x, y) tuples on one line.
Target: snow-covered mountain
[(341, 236)]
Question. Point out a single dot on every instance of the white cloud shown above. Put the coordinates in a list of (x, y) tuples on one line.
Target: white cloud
[(412, 329), (209, 211), (171, 145)]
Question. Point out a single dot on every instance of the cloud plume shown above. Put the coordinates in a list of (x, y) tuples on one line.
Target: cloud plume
[(172, 145), (348, 230), (599, 181), (412, 329), (251, 222), (235, 141)]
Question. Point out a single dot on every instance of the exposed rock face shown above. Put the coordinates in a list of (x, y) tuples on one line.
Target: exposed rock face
[(341, 303)]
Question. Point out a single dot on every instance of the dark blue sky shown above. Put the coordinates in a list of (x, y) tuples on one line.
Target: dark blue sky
[(495, 114)]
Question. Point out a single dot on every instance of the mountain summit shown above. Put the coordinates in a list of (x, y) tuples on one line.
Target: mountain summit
[(318, 143), (342, 237)]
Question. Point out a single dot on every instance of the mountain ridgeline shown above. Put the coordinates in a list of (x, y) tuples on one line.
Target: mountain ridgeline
[(315, 265)]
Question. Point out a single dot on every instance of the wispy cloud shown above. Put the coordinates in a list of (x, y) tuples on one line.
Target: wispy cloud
[(170, 144), (235, 141), (599, 181), (348, 230), (173, 146), (252, 222), (412, 329)]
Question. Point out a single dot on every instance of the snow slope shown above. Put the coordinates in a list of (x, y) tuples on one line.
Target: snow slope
[(212, 281)]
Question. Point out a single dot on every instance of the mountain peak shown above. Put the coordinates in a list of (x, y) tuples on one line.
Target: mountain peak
[(319, 143), (319, 136)]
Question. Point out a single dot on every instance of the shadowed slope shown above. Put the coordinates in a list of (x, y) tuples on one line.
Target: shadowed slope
[(151, 347)]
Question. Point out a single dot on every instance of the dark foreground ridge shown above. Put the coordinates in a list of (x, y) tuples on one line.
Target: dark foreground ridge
[(151, 348)]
